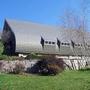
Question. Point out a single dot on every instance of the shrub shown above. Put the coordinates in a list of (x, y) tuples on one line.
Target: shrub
[(19, 68), (53, 69), (50, 66), (3, 57), (33, 56), (11, 58)]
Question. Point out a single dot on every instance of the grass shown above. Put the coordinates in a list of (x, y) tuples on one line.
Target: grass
[(68, 80)]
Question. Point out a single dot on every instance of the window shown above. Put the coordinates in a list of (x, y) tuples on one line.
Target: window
[(46, 42), (49, 42), (78, 44), (62, 43), (53, 42), (66, 44)]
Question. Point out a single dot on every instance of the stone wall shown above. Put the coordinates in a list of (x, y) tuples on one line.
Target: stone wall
[(8, 66), (77, 63), (70, 63)]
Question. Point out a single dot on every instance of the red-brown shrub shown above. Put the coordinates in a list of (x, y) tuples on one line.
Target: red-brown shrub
[(50, 65)]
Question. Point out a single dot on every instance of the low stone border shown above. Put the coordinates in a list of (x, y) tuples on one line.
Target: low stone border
[(7, 66)]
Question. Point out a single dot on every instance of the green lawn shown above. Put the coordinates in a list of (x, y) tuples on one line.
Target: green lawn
[(68, 80)]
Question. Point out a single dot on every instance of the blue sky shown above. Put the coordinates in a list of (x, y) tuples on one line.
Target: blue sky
[(40, 11)]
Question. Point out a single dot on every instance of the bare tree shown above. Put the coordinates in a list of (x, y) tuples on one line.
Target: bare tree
[(71, 21), (85, 11), (78, 22)]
